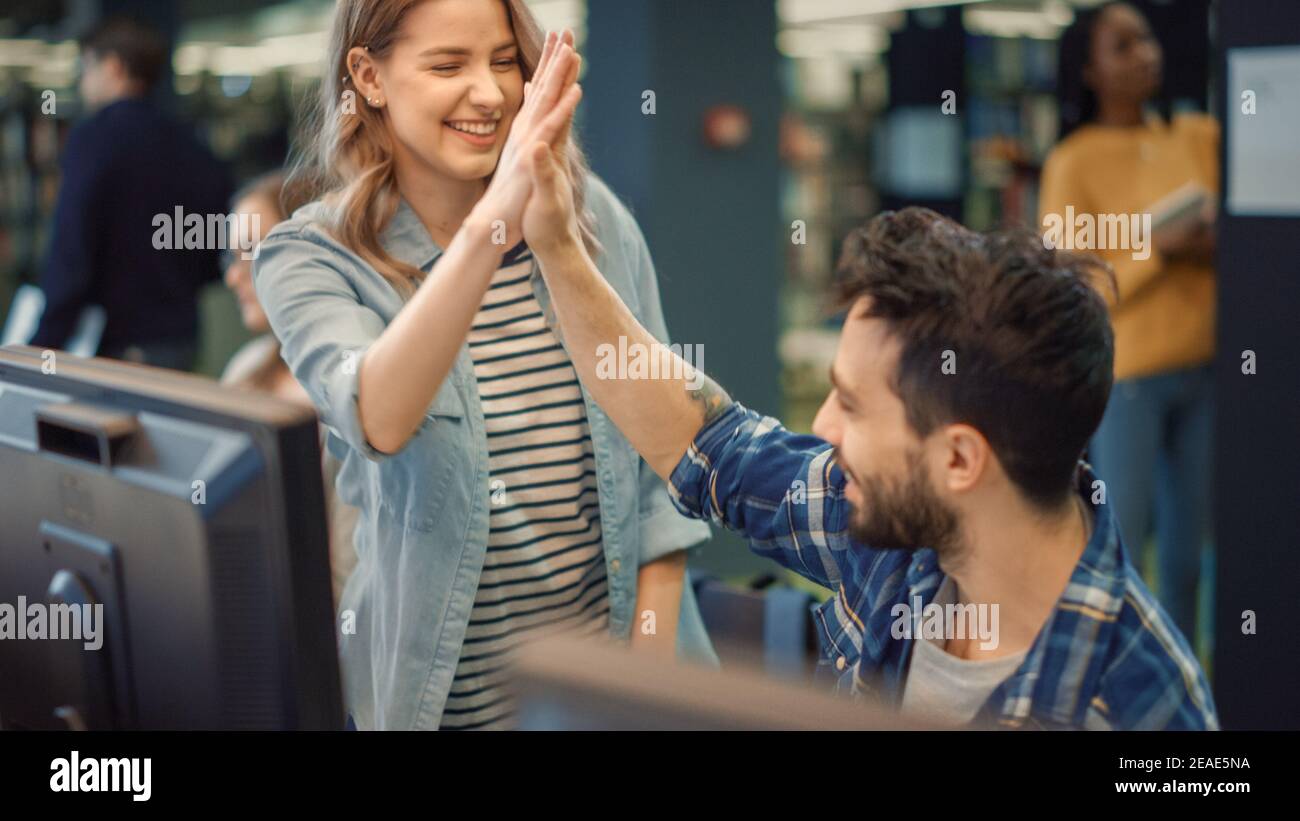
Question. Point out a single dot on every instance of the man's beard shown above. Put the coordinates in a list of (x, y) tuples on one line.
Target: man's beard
[(905, 515)]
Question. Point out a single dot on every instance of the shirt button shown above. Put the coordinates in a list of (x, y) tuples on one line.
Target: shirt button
[(840, 662), (615, 565)]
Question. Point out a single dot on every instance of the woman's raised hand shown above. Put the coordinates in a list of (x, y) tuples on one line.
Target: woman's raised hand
[(550, 219), (549, 102)]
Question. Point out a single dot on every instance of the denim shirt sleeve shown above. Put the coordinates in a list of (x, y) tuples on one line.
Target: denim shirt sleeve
[(781, 490), (323, 328), (663, 530)]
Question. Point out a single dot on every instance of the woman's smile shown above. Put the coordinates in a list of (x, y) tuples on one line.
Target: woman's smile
[(480, 133)]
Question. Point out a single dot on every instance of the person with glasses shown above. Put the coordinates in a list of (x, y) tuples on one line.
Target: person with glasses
[(257, 365)]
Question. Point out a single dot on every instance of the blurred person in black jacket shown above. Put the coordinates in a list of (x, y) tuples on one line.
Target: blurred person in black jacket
[(129, 173)]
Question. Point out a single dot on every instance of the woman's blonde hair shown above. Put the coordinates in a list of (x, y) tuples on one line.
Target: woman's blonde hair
[(348, 159)]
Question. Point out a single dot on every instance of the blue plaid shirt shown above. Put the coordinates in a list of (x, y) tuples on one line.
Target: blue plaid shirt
[(1107, 658)]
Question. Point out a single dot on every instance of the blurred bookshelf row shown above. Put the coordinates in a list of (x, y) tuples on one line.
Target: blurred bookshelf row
[(844, 158), (29, 180)]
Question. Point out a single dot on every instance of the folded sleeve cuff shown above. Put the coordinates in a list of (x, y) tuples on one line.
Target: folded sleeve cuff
[(342, 397), (691, 482), (665, 531)]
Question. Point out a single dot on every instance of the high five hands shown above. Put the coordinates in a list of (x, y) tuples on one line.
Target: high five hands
[(550, 220), (544, 120)]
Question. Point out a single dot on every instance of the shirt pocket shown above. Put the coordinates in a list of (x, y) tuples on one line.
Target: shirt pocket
[(440, 454)]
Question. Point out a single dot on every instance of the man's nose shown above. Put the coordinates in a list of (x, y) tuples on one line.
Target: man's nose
[(826, 425)]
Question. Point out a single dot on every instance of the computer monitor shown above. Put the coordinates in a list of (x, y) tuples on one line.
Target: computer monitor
[(573, 683), (182, 524)]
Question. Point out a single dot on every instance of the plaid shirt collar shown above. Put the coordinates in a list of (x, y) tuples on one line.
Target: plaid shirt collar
[(1105, 639), (1068, 656)]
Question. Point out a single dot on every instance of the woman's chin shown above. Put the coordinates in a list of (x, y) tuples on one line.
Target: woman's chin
[(471, 169)]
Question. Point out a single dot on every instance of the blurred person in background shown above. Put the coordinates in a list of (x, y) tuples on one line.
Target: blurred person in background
[(1153, 448), (258, 366), (122, 167)]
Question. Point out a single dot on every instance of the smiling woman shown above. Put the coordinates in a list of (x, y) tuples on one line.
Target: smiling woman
[(497, 502), (417, 99)]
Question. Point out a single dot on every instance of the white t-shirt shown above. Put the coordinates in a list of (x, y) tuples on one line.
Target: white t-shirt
[(945, 689)]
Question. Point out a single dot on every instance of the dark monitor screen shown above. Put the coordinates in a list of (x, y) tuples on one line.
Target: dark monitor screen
[(164, 558)]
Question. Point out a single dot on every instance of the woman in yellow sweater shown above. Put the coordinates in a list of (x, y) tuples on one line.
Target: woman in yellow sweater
[(1117, 160)]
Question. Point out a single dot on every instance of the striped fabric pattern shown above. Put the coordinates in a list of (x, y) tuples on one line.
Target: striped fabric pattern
[(545, 566)]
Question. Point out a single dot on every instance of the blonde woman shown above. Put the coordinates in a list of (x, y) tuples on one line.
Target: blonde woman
[(498, 502)]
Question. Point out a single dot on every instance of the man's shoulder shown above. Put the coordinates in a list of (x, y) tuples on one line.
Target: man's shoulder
[(137, 132), (124, 117), (1150, 677), (99, 132)]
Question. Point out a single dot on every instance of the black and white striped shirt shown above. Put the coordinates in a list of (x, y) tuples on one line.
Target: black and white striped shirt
[(545, 566)]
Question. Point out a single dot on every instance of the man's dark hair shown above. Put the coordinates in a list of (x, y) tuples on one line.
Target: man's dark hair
[(142, 50), (1031, 337)]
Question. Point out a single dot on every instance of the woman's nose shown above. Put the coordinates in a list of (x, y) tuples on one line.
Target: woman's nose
[(485, 93)]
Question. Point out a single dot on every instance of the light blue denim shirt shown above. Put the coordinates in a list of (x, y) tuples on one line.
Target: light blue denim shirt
[(421, 538)]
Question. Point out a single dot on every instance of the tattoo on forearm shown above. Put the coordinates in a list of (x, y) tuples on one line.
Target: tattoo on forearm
[(713, 400)]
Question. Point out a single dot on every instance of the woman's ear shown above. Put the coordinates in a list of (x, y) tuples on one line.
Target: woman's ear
[(365, 76)]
